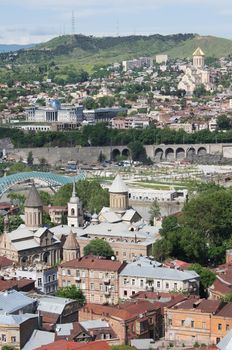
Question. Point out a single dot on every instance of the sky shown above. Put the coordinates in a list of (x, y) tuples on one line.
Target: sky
[(33, 21)]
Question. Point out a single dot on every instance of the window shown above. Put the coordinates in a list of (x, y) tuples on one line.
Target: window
[(175, 286), (133, 292), (83, 273), (170, 322), (91, 274), (39, 282), (124, 281), (203, 325), (77, 273), (167, 285), (68, 272), (13, 339), (124, 253), (133, 282), (91, 286), (3, 337), (54, 277), (182, 323), (92, 297), (141, 283), (158, 284), (219, 326), (227, 327), (192, 324), (101, 287), (125, 293)]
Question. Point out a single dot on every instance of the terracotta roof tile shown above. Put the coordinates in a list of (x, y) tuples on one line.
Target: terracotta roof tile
[(63, 344), (91, 262)]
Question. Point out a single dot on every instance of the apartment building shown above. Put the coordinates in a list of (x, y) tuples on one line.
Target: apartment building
[(147, 275), (98, 278), (138, 319), (16, 330), (198, 321)]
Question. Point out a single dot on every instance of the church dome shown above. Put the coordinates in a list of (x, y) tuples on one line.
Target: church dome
[(33, 199), (198, 52), (118, 186), (71, 242)]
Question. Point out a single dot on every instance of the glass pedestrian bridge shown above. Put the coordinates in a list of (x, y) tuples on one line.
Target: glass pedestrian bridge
[(51, 179)]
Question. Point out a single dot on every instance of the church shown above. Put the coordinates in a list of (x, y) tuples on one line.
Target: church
[(30, 243), (195, 74)]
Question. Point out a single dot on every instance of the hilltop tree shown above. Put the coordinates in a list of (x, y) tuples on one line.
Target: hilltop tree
[(71, 292), (98, 247), (154, 211)]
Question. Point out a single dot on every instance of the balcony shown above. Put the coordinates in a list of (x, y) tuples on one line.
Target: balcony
[(78, 278), (106, 280), (107, 293)]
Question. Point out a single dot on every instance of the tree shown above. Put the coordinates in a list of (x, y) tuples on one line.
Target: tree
[(207, 277), (101, 157), (71, 292), (98, 247), (228, 298), (91, 194), (200, 91), (14, 222), (7, 347), (30, 158), (18, 168), (137, 151), (154, 211), (223, 122), (17, 199)]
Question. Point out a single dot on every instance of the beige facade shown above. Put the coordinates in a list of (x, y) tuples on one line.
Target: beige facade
[(119, 201), (97, 278), (16, 332)]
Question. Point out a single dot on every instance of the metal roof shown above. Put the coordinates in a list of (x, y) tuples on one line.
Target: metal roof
[(39, 338), (118, 185), (140, 269), (51, 179), (93, 324), (54, 305), (11, 301)]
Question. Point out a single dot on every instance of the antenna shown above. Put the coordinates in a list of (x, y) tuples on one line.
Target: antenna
[(73, 23), (117, 28)]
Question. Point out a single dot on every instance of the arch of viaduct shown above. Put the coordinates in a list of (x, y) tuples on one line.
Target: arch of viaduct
[(178, 152), (166, 152)]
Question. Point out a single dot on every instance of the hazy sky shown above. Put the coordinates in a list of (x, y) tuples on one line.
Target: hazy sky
[(30, 21)]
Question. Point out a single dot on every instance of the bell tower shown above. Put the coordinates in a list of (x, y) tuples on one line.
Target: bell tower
[(198, 58), (75, 212), (33, 209)]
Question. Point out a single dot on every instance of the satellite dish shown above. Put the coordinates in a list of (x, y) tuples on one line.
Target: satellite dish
[(113, 258)]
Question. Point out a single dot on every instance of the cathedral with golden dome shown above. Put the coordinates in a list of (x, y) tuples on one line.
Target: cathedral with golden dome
[(195, 74)]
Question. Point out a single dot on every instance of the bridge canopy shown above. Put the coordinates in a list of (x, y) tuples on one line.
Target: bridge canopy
[(51, 179)]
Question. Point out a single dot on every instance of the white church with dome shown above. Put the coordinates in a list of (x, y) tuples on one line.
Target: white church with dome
[(195, 74)]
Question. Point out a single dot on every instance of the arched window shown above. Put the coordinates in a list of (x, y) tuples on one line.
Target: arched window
[(72, 211)]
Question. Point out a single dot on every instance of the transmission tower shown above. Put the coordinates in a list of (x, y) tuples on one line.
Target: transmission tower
[(73, 23)]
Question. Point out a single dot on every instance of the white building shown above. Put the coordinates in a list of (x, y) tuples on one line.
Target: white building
[(161, 59), (45, 278), (137, 63), (54, 113), (195, 74), (147, 275)]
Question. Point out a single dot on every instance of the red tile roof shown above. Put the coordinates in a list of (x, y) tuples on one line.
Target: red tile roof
[(226, 311), (66, 345), (4, 261), (125, 311), (93, 263), (202, 305), (220, 287)]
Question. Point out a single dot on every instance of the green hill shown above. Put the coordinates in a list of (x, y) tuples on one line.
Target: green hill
[(54, 58), (212, 47)]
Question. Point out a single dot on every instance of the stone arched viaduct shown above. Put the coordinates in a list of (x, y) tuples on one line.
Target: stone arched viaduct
[(61, 155)]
